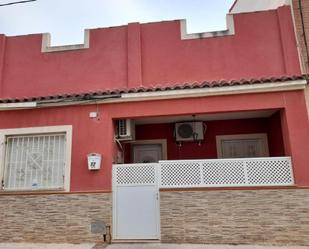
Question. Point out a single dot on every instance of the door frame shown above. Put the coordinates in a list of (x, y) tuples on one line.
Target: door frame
[(114, 199), (161, 142)]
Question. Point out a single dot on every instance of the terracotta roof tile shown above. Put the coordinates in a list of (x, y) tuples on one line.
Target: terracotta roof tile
[(154, 88)]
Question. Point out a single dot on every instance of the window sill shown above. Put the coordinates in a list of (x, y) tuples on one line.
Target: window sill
[(51, 192), (32, 192)]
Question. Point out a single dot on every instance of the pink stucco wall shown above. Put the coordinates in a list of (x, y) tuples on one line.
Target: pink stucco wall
[(153, 54), (91, 135), (150, 54)]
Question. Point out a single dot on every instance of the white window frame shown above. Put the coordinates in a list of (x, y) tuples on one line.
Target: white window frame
[(67, 129), (261, 136)]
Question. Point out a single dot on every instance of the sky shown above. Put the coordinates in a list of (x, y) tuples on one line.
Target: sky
[(67, 19)]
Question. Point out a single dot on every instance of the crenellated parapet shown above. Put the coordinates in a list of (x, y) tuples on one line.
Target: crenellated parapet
[(46, 43), (229, 31), (254, 45)]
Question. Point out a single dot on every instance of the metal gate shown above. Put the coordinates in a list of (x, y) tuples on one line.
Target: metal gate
[(136, 212)]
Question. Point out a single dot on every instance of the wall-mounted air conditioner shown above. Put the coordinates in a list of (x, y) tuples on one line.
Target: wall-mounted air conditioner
[(189, 131), (125, 129)]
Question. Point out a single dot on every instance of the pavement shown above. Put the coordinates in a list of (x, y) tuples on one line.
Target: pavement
[(139, 246), (44, 246), (197, 246)]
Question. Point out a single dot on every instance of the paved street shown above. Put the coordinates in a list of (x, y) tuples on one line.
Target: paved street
[(44, 246), (138, 246), (190, 246)]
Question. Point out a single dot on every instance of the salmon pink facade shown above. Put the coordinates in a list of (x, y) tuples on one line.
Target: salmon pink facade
[(185, 126), (151, 54)]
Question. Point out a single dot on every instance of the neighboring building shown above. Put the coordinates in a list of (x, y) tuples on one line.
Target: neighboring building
[(203, 137), (301, 22)]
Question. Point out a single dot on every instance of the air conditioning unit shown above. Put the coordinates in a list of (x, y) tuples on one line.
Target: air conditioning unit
[(189, 131), (125, 129)]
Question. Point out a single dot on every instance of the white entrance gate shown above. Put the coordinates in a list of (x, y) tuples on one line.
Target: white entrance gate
[(136, 202)]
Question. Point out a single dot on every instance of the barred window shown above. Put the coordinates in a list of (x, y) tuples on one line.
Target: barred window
[(36, 161)]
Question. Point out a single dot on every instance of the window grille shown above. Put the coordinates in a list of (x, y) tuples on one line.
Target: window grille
[(34, 162)]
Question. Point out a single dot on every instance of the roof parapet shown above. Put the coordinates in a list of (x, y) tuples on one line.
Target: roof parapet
[(229, 31), (46, 47)]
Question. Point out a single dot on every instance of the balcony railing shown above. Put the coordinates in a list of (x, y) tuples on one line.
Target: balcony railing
[(270, 171)]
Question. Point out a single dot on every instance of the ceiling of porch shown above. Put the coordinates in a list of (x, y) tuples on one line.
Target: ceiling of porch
[(206, 117)]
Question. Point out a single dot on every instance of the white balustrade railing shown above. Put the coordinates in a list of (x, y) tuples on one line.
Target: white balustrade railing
[(268, 171)]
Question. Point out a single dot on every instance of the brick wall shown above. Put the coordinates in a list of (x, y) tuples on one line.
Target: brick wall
[(55, 218), (273, 217), (300, 38)]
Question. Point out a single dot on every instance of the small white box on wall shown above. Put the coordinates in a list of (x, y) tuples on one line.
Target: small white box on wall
[(93, 114), (94, 161)]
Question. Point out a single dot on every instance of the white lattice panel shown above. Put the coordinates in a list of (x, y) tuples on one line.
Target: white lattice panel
[(180, 173), (135, 174), (208, 173), (269, 172), (223, 172), (226, 172)]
